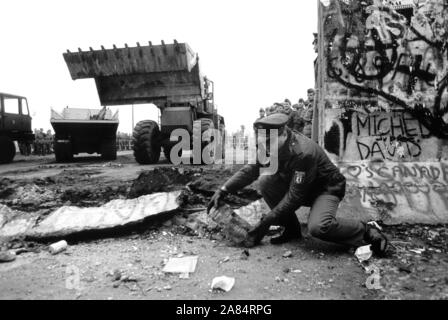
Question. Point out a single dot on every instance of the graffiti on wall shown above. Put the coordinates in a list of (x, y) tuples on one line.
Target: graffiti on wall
[(397, 60), (421, 187), (385, 75), (386, 70), (355, 134)]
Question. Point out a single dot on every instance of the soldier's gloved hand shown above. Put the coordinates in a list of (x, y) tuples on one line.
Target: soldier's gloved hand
[(257, 233), (217, 197)]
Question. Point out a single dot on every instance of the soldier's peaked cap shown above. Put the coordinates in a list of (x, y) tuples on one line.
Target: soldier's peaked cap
[(273, 121)]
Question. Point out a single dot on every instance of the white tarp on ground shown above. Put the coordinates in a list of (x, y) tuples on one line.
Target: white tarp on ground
[(69, 220)]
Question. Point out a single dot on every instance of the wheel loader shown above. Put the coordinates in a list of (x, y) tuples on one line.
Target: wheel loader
[(166, 75)]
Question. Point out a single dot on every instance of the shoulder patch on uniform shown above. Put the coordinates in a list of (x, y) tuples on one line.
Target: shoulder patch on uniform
[(299, 177)]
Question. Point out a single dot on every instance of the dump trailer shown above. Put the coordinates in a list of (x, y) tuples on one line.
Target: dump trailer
[(84, 131), (166, 75), (15, 125)]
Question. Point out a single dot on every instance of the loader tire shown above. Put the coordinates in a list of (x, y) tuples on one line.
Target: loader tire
[(7, 150), (144, 141), (109, 149), (63, 151)]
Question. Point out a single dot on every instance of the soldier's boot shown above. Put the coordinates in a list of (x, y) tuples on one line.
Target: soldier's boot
[(291, 232), (376, 238)]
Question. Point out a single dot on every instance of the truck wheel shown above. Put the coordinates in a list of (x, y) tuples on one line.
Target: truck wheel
[(63, 151), (109, 149), (144, 140), (7, 150)]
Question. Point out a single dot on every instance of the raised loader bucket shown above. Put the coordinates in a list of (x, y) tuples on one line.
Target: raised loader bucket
[(142, 74)]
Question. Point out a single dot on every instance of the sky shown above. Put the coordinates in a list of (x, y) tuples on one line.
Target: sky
[(256, 52)]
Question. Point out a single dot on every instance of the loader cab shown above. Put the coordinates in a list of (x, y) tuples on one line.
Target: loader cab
[(209, 101)]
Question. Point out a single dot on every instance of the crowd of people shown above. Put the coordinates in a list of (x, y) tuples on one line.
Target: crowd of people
[(300, 114), (42, 145), (124, 141)]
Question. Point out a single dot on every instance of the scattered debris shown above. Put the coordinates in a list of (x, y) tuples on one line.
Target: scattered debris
[(432, 235), (404, 268), (226, 259), (7, 256), (184, 266), (58, 247), (116, 275), (111, 164), (223, 283), (417, 251), (245, 254), (128, 278), (363, 253)]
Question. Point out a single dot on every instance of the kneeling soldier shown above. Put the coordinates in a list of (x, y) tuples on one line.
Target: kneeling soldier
[(305, 177)]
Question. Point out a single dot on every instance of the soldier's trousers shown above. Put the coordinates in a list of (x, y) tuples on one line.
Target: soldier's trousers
[(322, 221)]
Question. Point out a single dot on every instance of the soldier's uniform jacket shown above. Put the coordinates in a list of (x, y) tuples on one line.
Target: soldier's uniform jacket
[(295, 121), (305, 167), (307, 114)]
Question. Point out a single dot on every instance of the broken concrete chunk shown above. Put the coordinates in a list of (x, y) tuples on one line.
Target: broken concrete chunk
[(116, 213), (15, 223), (253, 212), (233, 226), (17, 227), (223, 283)]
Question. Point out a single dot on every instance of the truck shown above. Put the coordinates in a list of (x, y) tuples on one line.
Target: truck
[(167, 76), (79, 130), (15, 125)]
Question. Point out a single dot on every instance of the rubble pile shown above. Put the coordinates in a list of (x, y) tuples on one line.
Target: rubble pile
[(70, 187), (162, 180)]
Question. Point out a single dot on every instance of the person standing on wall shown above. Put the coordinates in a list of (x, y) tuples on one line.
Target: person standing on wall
[(295, 122), (261, 113), (307, 114)]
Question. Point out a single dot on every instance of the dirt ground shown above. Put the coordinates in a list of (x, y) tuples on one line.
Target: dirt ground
[(128, 264)]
